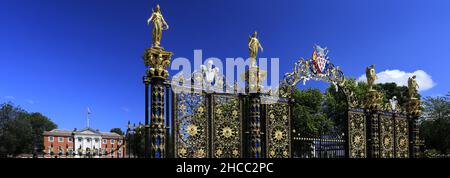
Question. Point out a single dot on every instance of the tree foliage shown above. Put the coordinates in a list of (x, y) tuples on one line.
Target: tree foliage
[(20, 131), (435, 127), (308, 115), (117, 131)]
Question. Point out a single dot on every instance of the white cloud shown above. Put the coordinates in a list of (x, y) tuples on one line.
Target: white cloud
[(9, 97), (401, 78)]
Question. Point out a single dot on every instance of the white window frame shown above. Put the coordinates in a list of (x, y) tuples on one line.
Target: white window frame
[(60, 139), (70, 139), (51, 138), (104, 141), (112, 141), (96, 140), (120, 142)]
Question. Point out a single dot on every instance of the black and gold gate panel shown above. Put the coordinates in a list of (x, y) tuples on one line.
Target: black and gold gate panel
[(226, 126), (357, 134), (278, 135), (386, 135), (401, 137), (191, 125)]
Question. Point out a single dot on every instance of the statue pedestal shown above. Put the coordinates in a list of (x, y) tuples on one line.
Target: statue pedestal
[(253, 78), (413, 107), (158, 60), (373, 100)]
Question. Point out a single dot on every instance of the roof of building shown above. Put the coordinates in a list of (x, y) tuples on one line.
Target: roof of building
[(58, 132)]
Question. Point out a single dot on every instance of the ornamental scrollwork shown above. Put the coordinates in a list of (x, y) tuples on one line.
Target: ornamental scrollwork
[(357, 134), (191, 126), (227, 126), (317, 67), (387, 136), (401, 133), (278, 124)]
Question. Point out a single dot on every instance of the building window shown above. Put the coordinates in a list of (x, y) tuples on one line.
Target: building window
[(80, 139), (50, 139), (88, 139), (60, 139), (96, 140), (120, 142), (104, 141), (70, 139), (112, 141)]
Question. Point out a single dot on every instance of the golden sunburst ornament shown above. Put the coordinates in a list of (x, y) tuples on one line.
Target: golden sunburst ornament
[(236, 153), (182, 108), (200, 110), (218, 152), (200, 153), (272, 116), (227, 132), (272, 153), (182, 152), (218, 111), (278, 135), (234, 113), (285, 153), (192, 130)]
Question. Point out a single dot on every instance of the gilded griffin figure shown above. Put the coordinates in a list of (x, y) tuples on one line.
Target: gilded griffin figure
[(412, 87), (371, 76)]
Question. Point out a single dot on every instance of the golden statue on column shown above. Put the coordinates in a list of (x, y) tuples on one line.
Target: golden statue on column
[(159, 24), (254, 75), (254, 45)]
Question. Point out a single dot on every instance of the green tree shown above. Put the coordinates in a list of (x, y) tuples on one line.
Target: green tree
[(435, 127), (117, 130), (308, 113), (39, 123), (21, 132)]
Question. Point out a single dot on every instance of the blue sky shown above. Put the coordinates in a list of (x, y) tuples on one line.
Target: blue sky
[(60, 56)]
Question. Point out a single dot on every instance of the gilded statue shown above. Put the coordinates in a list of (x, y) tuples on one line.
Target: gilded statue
[(159, 24), (371, 76), (412, 87), (253, 46)]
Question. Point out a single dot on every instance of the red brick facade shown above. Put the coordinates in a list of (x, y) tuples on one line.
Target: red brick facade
[(60, 143)]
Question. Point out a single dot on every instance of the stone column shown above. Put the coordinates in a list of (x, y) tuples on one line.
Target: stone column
[(157, 60)]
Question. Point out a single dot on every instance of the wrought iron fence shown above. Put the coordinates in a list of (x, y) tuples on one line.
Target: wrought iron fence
[(329, 145)]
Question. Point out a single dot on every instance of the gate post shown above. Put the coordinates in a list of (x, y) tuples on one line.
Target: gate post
[(157, 60), (373, 101), (413, 110), (253, 77)]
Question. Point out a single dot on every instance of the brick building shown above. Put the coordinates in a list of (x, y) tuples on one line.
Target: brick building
[(85, 143)]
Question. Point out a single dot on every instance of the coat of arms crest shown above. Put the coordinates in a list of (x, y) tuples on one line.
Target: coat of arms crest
[(320, 59)]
